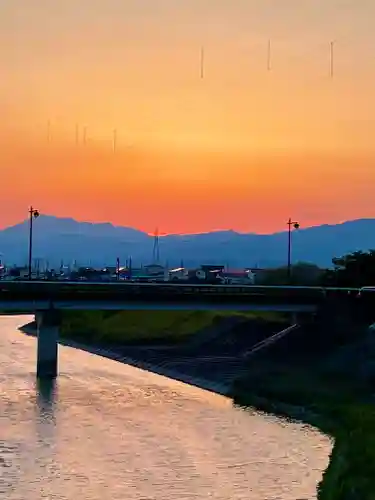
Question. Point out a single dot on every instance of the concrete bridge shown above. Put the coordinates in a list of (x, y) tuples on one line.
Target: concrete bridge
[(47, 300)]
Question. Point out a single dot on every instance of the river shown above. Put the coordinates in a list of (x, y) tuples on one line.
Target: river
[(108, 431)]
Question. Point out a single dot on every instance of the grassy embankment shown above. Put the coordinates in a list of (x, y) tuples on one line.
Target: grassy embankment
[(146, 327), (323, 376)]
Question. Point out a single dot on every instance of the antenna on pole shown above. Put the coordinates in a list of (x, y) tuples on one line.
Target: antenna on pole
[(202, 62), (269, 55), (332, 46)]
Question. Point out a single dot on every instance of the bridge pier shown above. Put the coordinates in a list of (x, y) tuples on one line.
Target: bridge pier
[(48, 323)]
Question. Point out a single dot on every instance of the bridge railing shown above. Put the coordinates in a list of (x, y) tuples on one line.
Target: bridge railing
[(42, 290)]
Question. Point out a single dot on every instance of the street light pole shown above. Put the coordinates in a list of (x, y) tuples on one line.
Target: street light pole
[(118, 269), (33, 214), (295, 226)]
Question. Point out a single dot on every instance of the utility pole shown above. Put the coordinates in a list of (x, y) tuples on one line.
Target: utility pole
[(156, 251), (130, 268), (118, 268), (269, 56), (202, 62), (332, 45), (295, 225), (33, 214)]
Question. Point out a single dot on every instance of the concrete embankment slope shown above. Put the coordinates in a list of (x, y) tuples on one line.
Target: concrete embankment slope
[(323, 374), (212, 359)]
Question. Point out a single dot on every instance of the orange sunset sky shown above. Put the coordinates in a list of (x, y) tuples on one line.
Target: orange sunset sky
[(241, 148)]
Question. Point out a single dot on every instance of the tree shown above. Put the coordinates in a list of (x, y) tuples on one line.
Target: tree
[(355, 269), (302, 274)]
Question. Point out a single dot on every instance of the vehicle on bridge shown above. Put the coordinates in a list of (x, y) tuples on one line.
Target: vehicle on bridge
[(213, 274)]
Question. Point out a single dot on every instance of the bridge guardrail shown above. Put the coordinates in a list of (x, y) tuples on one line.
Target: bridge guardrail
[(155, 292)]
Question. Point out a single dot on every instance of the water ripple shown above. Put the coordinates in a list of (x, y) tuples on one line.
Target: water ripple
[(109, 431)]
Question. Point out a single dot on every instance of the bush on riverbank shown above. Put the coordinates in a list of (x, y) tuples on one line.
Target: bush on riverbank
[(326, 380), (134, 327)]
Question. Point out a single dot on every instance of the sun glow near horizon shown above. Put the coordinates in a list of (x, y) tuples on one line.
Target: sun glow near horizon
[(243, 147)]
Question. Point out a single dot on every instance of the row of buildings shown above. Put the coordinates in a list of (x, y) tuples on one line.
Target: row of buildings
[(150, 273)]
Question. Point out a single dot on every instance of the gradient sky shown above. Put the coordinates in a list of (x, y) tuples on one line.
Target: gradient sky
[(242, 148)]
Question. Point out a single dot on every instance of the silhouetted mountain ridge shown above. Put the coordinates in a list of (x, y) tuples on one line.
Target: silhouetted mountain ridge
[(57, 239)]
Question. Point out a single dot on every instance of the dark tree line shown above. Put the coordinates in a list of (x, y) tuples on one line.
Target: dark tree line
[(355, 270), (302, 273)]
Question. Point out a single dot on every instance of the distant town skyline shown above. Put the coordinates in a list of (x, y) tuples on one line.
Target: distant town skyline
[(63, 238), (189, 116)]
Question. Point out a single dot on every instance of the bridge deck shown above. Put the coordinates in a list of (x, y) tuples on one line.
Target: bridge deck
[(29, 307), (40, 295)]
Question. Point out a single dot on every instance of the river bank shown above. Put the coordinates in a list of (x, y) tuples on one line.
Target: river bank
[(199, 349), (114, 431), (323, 376), (115, 355), (172, 328)]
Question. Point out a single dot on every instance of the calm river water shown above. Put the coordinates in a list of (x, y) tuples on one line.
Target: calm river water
[(109, 431)]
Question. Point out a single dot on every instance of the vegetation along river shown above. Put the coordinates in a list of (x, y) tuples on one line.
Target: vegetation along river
[(109, 431)]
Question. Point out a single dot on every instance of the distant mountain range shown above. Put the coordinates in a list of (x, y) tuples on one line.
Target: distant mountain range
[(57, 239)]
